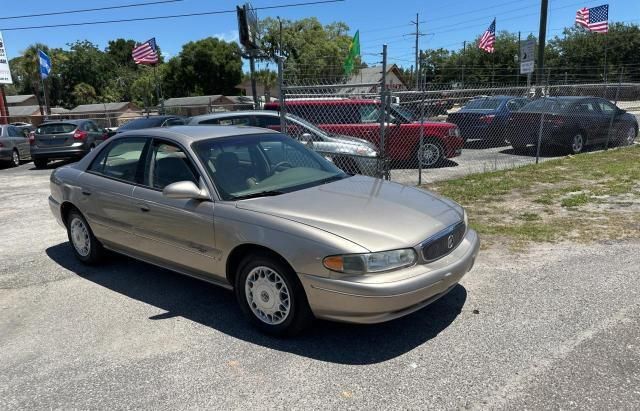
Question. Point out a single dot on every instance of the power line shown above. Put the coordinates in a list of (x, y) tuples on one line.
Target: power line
[(122, 6), (174, 16)]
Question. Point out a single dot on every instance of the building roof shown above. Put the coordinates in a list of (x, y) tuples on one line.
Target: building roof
[(191, 101), (58, 110), (19, 98), (101, 107), (21, 111), (367, 75), (241, 99)]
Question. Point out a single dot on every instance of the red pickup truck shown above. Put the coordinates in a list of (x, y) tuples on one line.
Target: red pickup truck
[(361, 118)]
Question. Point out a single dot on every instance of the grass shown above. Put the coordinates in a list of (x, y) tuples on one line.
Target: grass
[(576, 197)]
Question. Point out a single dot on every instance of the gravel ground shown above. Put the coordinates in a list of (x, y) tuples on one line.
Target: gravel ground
[(556, 327)]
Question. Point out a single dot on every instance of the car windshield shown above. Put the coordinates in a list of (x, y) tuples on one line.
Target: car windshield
[(51, 128), (258, 165), (483, 104), (547, 105), (142, 123)]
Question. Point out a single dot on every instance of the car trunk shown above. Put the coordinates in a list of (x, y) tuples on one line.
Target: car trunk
[(470, 119), (54, 135)]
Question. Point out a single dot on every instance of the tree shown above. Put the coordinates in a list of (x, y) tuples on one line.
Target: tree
[(207, 66), (85, 63), (84, 93), (119, 52), (27, 71), (313, 52)]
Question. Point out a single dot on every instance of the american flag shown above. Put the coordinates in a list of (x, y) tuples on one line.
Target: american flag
[(488, 39), (146, 53), (594, 19)]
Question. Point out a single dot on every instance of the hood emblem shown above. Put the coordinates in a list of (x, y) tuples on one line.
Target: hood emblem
[(450, 241)]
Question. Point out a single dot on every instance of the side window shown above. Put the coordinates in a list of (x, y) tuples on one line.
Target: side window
[(270, 122), (585, 108), (210, 121), (173, 122), (369, 114), (93, 127), (169, 164), (515, 105), (606, 107), (121, 160), (13, 132)]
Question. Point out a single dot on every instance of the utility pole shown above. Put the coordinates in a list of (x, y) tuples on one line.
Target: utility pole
[(542, 39), (417, 34)]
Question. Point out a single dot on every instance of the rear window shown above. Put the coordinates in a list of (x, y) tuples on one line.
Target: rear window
[(546, 105), (56, 128), (483, 104)]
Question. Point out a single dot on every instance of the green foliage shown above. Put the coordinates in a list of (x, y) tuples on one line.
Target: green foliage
[(84, 93)]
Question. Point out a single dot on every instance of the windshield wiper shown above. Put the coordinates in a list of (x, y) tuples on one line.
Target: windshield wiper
[(266, 193), (332, 178)]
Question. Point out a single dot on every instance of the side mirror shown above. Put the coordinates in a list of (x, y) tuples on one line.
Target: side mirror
[(307, 139), (185, 190)]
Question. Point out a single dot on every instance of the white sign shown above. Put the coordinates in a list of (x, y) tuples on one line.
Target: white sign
[(5, 73), (527, 56)]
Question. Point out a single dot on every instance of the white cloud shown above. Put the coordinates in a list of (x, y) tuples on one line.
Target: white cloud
[(231, 35)]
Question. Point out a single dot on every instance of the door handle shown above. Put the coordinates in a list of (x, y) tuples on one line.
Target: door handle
[(86, 192), (144, 208)]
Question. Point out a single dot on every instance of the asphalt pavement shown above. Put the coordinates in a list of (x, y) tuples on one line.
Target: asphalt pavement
[(553, 327)]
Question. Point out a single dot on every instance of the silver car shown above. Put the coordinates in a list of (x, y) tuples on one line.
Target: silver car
[(255, 211), (351, 154), (14, 145)]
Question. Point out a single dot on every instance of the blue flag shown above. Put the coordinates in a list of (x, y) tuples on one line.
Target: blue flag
[(45, 64)]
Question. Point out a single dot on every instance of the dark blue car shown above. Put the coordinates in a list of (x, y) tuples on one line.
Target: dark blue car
[(486, 118)]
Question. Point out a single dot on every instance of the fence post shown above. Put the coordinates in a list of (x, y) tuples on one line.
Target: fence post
[(282, 91), (424, 96), (613, 114), (383, 114), (540, 130)]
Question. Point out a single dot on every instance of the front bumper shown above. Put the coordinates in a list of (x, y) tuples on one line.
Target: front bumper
[(384, 297)]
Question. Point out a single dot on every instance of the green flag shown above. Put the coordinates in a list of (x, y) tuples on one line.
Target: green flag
[(354, 51)]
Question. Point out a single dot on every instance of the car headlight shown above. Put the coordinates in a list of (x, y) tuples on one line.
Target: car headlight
[(366, 151), (454, 132), (371, 262)]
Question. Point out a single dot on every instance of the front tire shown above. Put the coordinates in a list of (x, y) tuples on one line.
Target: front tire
[(430, 154), (85, 246), (271, 296), (40, 162), (629, 136)]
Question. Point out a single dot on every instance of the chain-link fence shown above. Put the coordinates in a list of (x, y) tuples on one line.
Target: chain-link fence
[(445, 131)]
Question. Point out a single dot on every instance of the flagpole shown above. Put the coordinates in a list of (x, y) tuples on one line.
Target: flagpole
[(606, 46), (44, 96), (160, 102)]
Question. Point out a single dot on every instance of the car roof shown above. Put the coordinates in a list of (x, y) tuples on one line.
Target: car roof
[(76, 122), (189, 134), (224, 114)]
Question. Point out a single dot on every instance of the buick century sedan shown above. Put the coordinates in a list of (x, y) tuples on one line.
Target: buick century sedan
[(257, 212)]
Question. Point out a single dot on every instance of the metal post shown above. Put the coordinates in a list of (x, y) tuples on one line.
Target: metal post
[(540, 130), (252, 68), (44, 96), (4, 108), (424, 96), (464, 50), (283, 107), (613, 114), (160, 102), (518, 64), (383, 113), (542, 39), (606, 44)]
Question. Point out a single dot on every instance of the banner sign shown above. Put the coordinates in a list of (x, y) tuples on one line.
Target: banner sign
[(5, 73), (527, 56)]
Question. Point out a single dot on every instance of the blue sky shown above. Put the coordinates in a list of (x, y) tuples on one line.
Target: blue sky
[(447, 24)]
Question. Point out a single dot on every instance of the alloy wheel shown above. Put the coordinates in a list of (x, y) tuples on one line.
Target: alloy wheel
[(15, 158), (429, 154), (631, 135), (267, 295), (577, 144), (80, 237)]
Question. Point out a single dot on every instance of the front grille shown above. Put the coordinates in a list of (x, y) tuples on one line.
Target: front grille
[(444, 243)]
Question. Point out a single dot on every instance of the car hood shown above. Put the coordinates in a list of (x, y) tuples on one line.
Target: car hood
[(375, 214)]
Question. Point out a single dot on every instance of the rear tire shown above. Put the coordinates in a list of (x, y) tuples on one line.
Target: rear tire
[(15, 158), (271, 296), (40, 162), (629, 136), (84, 244), (577, 143)]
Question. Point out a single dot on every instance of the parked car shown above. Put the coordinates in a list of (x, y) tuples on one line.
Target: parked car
[(434, 105), (361, 118), (255, 211), (14, 146), (63, 140), (486, 118), (572, 123), (351, 154), (150, 122)]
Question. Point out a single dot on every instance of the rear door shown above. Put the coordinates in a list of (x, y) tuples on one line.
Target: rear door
[(19, 141), (96, 135), (107, 191), (591, 120), (55, 134), (176, 232)]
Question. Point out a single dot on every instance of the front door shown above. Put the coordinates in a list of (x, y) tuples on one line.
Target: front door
[(177, 232)]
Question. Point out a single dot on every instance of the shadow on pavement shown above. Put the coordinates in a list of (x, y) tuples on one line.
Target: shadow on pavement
[(215, 307), (54, 164)]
